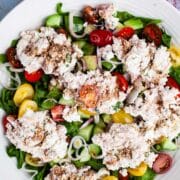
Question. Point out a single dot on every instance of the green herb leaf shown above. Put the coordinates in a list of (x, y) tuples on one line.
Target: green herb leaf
[(95, 164), (59, 8), (20, 155), (2, 58), (54, 93), (166, 39), (14, 42), (175, 73), (123, 16), (6, 101), (42, 173), (72, 128), (117, 106), (149, 175), (47, 104)]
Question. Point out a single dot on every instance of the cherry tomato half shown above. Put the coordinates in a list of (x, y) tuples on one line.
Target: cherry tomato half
[(153, 34), (121, 81), (56, 113), (121, 177), (11, 57), (172, 83), (162, 163), (101, 37), (34, 76), (6, 120), (126, 33)]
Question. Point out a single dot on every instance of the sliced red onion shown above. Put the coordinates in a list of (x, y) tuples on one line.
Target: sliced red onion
[(89, 121)]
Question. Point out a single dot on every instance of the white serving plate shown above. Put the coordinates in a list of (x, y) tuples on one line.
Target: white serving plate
[(30, 13)]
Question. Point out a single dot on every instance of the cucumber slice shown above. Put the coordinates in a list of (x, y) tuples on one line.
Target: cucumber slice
[(35, 162), (68, 102), (134, 23), (77, 21), (83, 115), (88, 49), (54, 21), (86, 132), (107, 65), (101, 124), (97, 130), (168, 145), (94, 150), (106, 118), (80, 43), (91, 62), (85, 156)]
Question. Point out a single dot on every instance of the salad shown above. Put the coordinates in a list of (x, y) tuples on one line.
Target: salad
[(91, 95)]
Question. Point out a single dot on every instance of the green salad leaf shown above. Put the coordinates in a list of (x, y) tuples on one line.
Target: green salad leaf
[(175, 73), (125, 16), (42, 172), (2, 58), (54, 93), (6, 101), (149, 175), (166, 39), (12, 151), (72, 128), (14, 42), (95, 164)]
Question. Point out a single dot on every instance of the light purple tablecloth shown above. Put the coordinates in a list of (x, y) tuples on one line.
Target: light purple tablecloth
[(7, 5)]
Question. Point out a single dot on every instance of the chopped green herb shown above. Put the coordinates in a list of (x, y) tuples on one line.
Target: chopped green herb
[(175, 73), (6, 101), (117, 106), (14, 42), (166, 39), (20, 155), (2, 58), (72, 128)]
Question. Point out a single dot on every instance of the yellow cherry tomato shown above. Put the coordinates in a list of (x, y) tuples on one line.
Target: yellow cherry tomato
[(87, 112), (110, 178), (175, 55), (122, 117), (25, 91), (138, 171), (33, 161), (27, 104), (161, 139)]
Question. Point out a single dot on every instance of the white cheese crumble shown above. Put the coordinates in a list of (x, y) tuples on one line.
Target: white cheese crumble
[(71, 114), (160, 109), (47, 50), (106, 12), (69, 171), (36, 133), (122, 146)]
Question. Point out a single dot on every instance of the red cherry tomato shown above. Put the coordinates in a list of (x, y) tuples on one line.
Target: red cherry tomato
[(34, 76), (126, 33), (162, 163), (56, 113), (11, 57), (153, 34), (172, 83), (121, 177), (100, 37), (6, 120), (121, 81)]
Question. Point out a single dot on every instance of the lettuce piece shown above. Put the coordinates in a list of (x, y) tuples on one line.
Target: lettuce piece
[(20, 155), (149, 175), (175, 73), (166, 39)]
